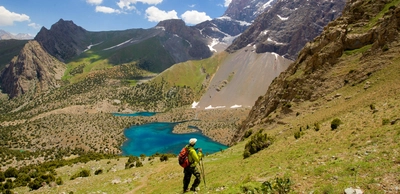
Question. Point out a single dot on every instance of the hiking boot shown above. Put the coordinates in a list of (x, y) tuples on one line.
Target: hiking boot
[(195, 189)]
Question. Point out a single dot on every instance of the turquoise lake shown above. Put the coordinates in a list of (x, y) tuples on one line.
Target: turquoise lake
[(157, 137)]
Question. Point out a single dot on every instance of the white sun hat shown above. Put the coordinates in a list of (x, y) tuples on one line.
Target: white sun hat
[(192, 141)]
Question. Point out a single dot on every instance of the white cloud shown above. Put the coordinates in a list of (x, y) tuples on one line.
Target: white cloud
[(104, 9), (35, 25), (227, 2), (8, 18), (191, 6), (128, 4), (195, 17), (153, 14), (94, 2)]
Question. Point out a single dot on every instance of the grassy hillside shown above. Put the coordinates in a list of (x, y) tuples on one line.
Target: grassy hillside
[(362, 152), (147, 55), (192, 74)]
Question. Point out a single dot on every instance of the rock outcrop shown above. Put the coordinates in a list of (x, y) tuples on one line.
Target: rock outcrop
[(288, 25), (372, 25), (32, 71)]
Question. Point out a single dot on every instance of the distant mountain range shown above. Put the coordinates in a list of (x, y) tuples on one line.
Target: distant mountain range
[(7, 36), (261, 26)]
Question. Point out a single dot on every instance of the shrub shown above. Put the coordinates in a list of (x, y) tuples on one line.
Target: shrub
[(385, 121), (258, 142), (317, 127), (99, 171), (279, 185), (22, 180), (59, 181), (11, 172), (335, 123), (246, 154), (35, 184), (2, 177), (83, 173), (8, 191), (131, 162), (8, 184), (163, 158), (297, 134), (139, 164), (248, 134), (142, 156), (372, 106)]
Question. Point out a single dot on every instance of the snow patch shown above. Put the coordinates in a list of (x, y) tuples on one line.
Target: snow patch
[(213, 43), (211, 107), (194, 104), (282, 18), (225, 18), (190, 44), (275, 42), (92, 45), (265, 32), (276, 55), (118, 45), (242, 23), (160, 27), (236, 106)]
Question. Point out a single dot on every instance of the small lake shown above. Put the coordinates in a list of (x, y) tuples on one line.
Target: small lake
[(157, 137)]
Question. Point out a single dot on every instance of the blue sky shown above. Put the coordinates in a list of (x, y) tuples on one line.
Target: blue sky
[(28, 16)]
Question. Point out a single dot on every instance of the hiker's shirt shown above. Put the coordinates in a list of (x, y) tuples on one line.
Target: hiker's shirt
[(194, 157)]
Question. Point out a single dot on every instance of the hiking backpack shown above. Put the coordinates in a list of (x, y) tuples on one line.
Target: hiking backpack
[(183, 157)]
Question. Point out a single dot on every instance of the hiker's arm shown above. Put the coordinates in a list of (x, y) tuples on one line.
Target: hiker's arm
[(196, 157)]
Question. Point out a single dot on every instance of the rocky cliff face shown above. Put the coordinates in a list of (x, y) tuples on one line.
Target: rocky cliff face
[(64, 40), (288, 25), (372, 25), (32, 71), (178, 32)]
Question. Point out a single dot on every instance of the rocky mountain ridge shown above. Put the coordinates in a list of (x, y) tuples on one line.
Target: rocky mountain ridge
[(288, 25), (371, 26), (32, 71), (236, 19)]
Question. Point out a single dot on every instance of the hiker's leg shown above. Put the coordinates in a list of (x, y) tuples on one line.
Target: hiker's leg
[(197, 181), (186, 178)]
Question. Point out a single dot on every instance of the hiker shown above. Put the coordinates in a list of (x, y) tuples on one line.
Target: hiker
[(194, 159)]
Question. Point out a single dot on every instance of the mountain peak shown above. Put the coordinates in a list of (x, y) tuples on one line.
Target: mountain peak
[(247, 10), (173, 25), (65, 34)]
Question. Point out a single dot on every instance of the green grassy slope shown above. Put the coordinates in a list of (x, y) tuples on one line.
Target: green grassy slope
[(148, 55), (192, 74), (362, 152)]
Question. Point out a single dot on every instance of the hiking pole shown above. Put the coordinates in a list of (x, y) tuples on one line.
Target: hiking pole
[(204, 175)]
